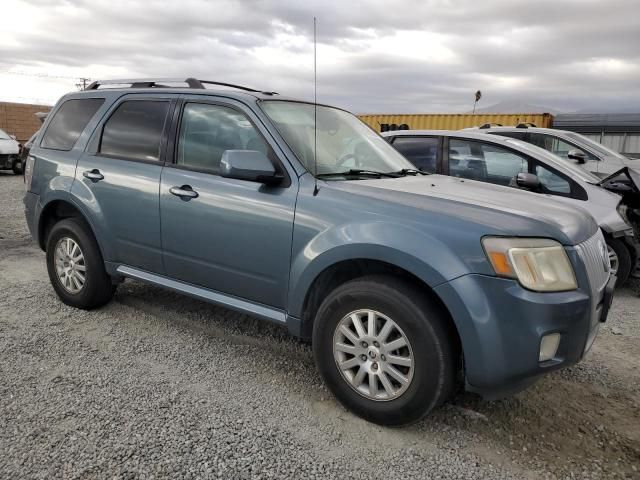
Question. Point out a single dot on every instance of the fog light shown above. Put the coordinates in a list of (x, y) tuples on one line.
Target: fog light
[(549, 346)]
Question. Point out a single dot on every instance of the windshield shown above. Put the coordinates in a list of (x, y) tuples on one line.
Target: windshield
[(556, 162), (598, 147), (4, 136), (343, 142)]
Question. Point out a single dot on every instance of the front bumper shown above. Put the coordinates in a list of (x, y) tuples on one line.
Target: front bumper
[(501, 325)]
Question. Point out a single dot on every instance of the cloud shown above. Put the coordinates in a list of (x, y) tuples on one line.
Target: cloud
[(373, 56)]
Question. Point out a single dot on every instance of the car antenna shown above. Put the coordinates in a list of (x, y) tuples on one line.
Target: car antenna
[(315, 111)]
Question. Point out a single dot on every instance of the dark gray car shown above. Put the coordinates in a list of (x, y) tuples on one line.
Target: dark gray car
[(301, 215)]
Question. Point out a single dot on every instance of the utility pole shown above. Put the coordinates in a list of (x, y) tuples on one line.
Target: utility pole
[(82, 83)]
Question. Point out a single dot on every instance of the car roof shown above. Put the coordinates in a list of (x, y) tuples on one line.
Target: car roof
[(445, 133)]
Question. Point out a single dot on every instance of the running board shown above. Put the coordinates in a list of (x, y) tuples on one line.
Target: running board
[(234, 303)]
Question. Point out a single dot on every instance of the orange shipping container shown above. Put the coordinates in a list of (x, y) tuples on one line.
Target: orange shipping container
[(452, 121)]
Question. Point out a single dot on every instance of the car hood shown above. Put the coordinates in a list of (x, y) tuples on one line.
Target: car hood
[(503, 210), (8, 146)]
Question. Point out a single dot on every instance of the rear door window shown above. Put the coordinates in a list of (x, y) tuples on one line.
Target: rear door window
[(421, 151), (485, 162), (134, 130), (68, 123)]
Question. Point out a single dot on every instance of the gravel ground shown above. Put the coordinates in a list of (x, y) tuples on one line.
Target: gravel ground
[(156, 385)]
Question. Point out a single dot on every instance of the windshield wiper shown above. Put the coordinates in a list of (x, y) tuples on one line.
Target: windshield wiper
[(358, 172), (410, 171)]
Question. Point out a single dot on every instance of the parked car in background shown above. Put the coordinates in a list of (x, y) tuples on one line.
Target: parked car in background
[(26, 148), (9, 153), (510, 162), (405, 283), (573, 147)]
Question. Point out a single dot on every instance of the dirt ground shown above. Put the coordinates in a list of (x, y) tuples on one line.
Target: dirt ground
[(158, 385)]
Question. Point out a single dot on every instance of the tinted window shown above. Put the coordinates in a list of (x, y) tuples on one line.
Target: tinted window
[(68, 123), (135, 129), (552, 182), (421, 151), (556, 145), (485, 162), (206, 131)]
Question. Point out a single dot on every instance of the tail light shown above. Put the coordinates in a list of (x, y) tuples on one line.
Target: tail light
[(28, 172)]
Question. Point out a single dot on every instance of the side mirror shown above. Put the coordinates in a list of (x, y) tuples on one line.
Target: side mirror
[(13, 137), (528, 180), (248, 165), (577, 155)]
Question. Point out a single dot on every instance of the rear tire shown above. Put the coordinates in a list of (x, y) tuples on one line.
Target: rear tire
[(619, 254), (75, 265), (427, 363)]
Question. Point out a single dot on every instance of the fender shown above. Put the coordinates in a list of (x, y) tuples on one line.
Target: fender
[(417, 252), (68, 197)]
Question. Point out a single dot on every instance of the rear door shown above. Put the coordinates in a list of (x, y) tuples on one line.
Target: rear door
[(228, 235), (119, 178)]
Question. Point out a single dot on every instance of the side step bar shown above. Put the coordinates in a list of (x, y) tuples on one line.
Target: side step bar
[(255, 309)]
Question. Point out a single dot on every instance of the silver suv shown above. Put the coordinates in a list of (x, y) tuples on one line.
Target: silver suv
[(573, 147)]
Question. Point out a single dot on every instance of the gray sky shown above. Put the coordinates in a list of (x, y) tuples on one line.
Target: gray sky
[(373, 56)]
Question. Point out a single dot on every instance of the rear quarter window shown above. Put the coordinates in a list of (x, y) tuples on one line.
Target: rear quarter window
[(68, 123)]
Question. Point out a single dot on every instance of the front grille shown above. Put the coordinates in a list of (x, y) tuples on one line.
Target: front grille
[(593, 253)]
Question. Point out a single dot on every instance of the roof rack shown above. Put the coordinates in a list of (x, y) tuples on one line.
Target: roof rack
[(161, 83), (489, 125), (526, 125)]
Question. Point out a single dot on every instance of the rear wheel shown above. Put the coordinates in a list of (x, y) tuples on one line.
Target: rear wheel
[(384, 350), (75, 266), (620, 259)]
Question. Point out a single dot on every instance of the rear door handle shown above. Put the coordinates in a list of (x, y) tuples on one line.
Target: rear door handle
[(185, 192), (93, 175)]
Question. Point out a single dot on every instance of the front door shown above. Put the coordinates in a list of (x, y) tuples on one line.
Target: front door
[(231, 236), (120, 176)]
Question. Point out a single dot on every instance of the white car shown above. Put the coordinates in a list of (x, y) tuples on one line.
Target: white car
[(9, 151)]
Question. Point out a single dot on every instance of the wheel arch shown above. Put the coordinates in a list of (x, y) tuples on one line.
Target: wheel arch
[(346, 270), (53, 212)]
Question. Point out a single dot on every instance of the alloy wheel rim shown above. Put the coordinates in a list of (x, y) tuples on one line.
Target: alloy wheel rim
[(613, 260), (373, 355), (70, 265)]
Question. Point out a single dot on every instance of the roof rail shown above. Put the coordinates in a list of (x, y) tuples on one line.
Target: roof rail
[(160, 83), (489, 125), (526, 125)]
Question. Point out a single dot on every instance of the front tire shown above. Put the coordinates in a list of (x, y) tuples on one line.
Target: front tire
[(384, 350), (75, 266), (620, 259), (17, 167)]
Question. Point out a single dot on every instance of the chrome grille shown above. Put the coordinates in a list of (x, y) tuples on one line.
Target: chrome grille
[(594, 257)]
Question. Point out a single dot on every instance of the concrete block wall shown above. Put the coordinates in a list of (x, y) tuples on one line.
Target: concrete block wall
[(19, 119)]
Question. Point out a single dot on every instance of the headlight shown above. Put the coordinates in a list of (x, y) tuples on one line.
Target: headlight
[(539, 264)]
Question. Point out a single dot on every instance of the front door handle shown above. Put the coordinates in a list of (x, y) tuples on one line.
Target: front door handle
[(93, 175), (185, 192)]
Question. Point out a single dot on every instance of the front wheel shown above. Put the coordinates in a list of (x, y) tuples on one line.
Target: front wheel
[(384, 350), (17, 167), (620, 260)]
